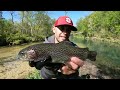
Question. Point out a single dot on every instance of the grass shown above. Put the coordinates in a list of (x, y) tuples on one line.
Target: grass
[(34, 75)]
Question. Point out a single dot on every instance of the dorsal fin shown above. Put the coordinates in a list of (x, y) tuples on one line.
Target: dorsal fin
[(66, 43)]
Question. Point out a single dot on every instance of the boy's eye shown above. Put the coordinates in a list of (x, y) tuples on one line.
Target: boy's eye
[(64, 27)]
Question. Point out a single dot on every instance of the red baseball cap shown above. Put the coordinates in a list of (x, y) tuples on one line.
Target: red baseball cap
[(65, 20)]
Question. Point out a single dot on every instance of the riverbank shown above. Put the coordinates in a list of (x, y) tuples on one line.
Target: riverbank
[(10, 68), (110, 40), (15, 70)]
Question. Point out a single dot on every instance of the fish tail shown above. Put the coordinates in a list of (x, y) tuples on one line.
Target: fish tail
[(92, 55)]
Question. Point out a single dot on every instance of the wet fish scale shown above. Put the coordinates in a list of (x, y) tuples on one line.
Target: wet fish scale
[(60, 52)]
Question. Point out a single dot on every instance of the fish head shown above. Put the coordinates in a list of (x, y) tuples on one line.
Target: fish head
[(26, 54), (92, 55), (32, 56), (22, 55)]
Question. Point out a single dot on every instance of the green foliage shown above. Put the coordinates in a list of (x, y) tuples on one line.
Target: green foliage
[(37, 38), (17, 38), (34, 75), (2, 40), (17, 42), (34, 26), (101, 24)]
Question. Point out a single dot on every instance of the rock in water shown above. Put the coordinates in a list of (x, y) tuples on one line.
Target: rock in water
[(56, 53)]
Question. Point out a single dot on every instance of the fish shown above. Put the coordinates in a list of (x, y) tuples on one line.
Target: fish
[(55, 53)]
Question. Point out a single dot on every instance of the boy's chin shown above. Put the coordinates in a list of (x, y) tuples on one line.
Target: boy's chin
[(63, 39)]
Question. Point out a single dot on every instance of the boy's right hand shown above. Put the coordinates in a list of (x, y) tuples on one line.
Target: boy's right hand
[(72, 66)]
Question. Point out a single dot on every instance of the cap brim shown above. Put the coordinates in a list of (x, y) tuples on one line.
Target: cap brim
[(72, 27)]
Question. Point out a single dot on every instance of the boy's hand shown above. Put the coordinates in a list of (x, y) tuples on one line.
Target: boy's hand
[(71, 66)]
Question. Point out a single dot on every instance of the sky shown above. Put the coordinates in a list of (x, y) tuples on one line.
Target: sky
[(74, 15)]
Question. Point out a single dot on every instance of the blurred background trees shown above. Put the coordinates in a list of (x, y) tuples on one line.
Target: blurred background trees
[(100, 24), (33, 26)]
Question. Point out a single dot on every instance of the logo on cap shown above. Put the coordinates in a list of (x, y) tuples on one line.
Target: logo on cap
[(68, 20)]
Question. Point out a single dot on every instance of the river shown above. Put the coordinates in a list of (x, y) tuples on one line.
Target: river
[(108, 55)]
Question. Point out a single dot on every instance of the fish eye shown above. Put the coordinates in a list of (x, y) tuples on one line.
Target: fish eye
[(22, 52)]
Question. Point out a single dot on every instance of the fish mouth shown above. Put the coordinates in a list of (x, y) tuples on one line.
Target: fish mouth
[(19, 58)]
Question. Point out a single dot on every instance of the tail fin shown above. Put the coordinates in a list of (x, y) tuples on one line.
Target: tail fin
[(92, 55)]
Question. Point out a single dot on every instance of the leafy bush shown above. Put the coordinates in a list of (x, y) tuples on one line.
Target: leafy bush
[(17, 42), (2, 40)]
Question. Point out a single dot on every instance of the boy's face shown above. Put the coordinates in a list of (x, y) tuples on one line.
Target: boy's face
[(62, 33)]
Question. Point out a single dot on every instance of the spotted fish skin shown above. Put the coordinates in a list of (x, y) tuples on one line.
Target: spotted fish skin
[(59, 52)]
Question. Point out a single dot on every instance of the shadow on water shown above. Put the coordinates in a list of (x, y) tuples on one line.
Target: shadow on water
[(108, 57)]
